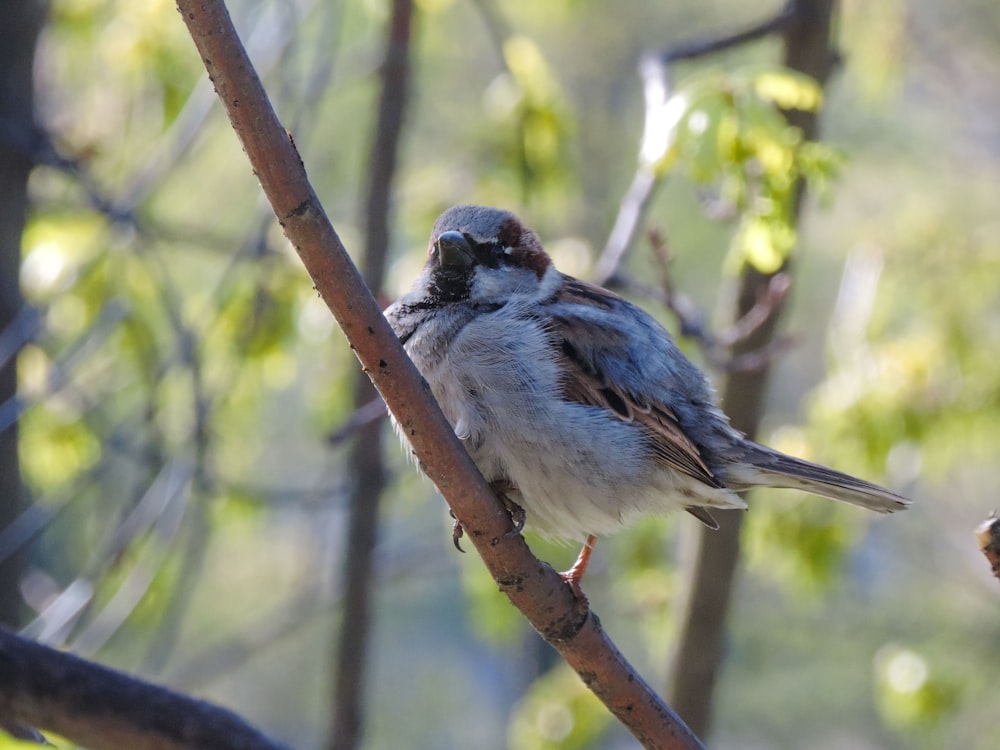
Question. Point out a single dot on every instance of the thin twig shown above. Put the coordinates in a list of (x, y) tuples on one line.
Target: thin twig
[(361, 417), (213, 662), (689, 318), (21, 330), (701, 47), (655, 136), (760, 358), (655, 73), (772, 297), (716, 348), (159, 508)]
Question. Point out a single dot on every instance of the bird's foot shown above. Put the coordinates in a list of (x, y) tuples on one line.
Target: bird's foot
[(502, 489), (457, 532), (574, 575)]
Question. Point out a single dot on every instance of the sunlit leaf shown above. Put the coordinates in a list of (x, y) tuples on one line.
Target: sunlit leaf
[(764, 243), (55, 447), (788, 89)]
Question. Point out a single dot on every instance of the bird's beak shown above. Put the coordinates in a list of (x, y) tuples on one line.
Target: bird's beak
[(454, 252)]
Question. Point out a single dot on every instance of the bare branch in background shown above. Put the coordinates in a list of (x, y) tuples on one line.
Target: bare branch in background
[(300, 610), (534, 587), (717, 347), (361, 417), (806, 31), (21, 329), (366, 466), (703, 47), (656, 85), (104, 709), (656, 92), (160, 510), (23, 20)]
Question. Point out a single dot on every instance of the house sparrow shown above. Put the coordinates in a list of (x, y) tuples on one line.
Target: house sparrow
[(575, 404)]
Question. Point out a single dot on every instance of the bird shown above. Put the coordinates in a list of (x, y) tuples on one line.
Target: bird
[(575, 404)]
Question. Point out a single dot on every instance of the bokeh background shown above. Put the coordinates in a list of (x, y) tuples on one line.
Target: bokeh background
[(183, 392)]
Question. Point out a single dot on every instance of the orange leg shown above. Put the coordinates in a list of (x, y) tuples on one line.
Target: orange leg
[(574, 575)]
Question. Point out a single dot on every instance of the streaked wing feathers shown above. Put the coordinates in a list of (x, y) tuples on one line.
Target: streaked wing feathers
[(587, 382)]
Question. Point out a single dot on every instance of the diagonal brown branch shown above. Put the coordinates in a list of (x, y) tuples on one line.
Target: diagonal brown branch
[(531, 585)]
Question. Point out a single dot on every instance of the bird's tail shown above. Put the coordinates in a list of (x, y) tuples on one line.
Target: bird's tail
[(764, 467)]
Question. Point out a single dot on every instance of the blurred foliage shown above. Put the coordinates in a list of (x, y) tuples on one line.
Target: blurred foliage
[(801, 544), (558, 712), (177, 399), (725, 128), (495, 620), (527, 103), (911, 695), (9, 743), (924, 377)]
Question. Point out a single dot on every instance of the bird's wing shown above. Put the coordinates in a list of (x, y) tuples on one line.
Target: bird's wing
[(601, 369)]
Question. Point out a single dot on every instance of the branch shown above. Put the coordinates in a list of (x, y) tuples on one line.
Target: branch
[(533, 586), (716, 348), (101, 708), (656, 93), (361, 417), (367, 464), (702, 47), (655, 73), (806, 31)]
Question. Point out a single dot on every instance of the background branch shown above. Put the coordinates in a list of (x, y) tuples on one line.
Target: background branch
[(699, 650), (18, 33), (367, 466), (532, 586), (702, 47), (101, 708)]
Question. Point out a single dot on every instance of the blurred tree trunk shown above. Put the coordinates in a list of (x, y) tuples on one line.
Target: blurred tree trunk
[(366, 462), (22, 22), (700, 648)]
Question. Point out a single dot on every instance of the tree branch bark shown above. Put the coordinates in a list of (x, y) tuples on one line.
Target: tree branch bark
[(23, 21), (533, 586), (700, 649), (101, 708), (366, 462)]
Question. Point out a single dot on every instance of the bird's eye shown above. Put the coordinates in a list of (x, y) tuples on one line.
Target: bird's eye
[(491, 253)]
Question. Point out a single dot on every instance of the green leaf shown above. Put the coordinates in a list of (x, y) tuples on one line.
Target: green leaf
[(788, 89), (764, 243)]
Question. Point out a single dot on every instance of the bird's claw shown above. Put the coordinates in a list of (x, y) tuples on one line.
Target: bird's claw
[(501, 488), (457, 532), (518, 517), (572, 579)]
